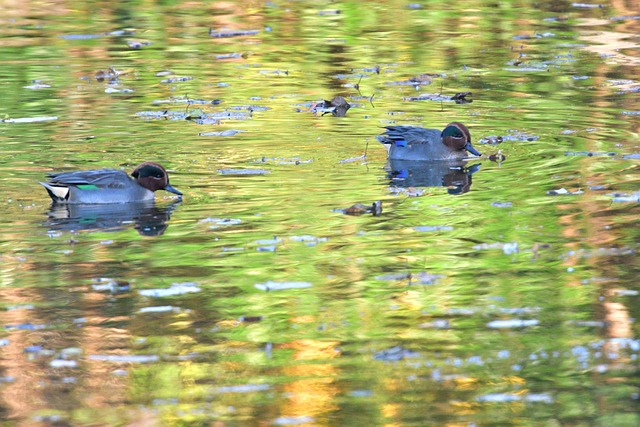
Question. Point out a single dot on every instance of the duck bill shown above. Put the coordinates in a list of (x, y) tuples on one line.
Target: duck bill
[(472, 150), (170, 189)]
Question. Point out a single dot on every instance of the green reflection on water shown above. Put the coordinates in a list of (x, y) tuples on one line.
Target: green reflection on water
[(367, 343)]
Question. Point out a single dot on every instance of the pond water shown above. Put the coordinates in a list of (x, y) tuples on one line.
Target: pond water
[(274, 293)]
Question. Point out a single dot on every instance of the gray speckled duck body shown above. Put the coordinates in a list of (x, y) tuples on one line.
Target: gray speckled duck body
[(108, 185), (416, 143)]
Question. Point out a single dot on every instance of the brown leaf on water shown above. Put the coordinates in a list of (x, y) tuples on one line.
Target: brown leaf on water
[(422, 79), (497, 157), (137, 44), (461, 95), (338, 107), (110, 74), (251, 319), (359, 209)]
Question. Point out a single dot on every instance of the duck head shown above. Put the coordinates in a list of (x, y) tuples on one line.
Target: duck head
[(154, 177), (457, 137)]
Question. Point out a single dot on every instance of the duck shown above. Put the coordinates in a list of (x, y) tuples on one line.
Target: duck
[(108, 185), (418, 143)]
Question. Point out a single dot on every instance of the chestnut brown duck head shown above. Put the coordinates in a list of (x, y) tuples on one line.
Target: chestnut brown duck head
[(109, 185), (417, 143)]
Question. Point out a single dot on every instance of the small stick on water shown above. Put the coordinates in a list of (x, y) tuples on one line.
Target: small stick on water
[(186, 109), (357, 85), (371, 100)]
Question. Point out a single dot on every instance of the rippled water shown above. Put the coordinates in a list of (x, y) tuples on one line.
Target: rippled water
[(275, 292)]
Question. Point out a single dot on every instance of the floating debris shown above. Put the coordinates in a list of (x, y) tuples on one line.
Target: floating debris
[(232, 33), (138, 44), (626, 292), (591, 153), (353, 159), (220, 222), (308, 240), (173, 290), (82, 36), (134, 358), (359, 209), (292, 421), (279, 286), (587, 5), (231, 56), (184, 100), (625, 17), (284, 161), (590, 323), (497, 157), (518, 310), (195, 116), (111, 74), (163, 73), (116, 90), (329, 12), (249, 107), (27, 326), (63, 363), (273, 241), (407, 191), (507, 248), (626, 198), (243, 171), (436, 324), (421, 278), (176, 79), (36, 85), (563, 192), (459, 98), (394, 354), (274, 72), (159, 309), (245, 388), (250, 319), (433, 228), (102, 284), (425, 79), (537, 68), (512, 135), (338, 107), (422, 79), (228, 132), (30, 119), (512, 397), (116, 33), (502, 204), (512, 323)]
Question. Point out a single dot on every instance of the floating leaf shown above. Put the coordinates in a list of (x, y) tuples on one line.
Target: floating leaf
[(359, 209), (232, 33), (279, 286)]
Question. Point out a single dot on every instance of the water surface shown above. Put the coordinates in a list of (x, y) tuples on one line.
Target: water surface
[(505, 294)]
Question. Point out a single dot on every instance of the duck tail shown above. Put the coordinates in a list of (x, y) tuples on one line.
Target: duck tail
[(57, 194)]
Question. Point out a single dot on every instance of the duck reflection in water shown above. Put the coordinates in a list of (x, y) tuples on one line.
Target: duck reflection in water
[(146, 217), (454, 175)]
